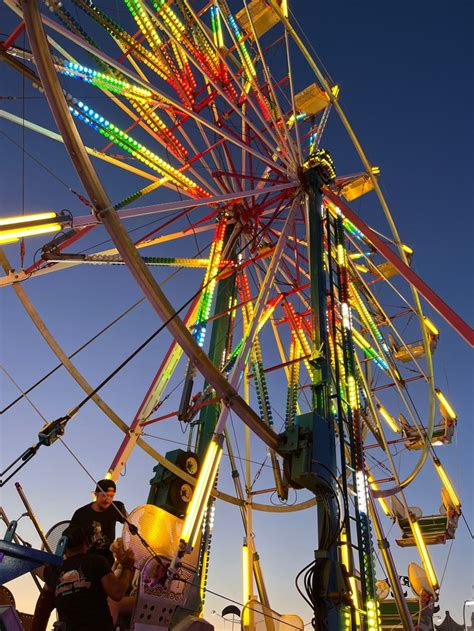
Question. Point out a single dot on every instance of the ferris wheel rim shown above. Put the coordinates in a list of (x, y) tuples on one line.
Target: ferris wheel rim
[(427, 439)]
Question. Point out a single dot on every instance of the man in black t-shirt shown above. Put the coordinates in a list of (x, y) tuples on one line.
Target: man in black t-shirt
[(99, 518), (84, 581)]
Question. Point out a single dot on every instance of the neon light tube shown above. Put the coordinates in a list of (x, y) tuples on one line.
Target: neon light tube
[(6, 221), (444, 403), (201, 494), (355, 598), (245, 583), (447, 483), (9, 236), (352, 581), (430, 326), (381, 500), (425, 557), (344, 550), (389, 419)]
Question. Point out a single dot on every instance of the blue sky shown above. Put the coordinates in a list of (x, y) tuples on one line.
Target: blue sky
[(404, 71)]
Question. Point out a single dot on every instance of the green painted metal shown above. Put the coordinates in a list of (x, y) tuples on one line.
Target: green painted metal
[(365, 544), (219, 347), (323, 460)]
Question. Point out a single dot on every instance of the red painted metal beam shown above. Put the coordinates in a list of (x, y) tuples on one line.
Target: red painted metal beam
[(444, 310), (13, 35)]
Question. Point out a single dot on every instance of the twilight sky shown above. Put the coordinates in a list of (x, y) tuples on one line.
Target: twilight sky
[(404, 70)]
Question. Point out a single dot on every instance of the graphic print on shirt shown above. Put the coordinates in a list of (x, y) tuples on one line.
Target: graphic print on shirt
[(98, 539), (71, 582)]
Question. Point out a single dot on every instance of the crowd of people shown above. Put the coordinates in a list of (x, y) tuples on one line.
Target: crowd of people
[(96, 572)]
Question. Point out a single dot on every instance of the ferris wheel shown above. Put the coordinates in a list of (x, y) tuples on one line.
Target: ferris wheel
[(197, 130)]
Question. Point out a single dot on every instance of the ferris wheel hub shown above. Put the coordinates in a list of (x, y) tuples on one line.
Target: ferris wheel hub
[(322, 162)]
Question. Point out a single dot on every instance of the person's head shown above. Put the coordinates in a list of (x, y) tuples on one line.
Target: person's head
[(104, 494), (77, 540)]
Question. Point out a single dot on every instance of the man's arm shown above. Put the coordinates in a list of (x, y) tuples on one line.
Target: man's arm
[(116, 586)]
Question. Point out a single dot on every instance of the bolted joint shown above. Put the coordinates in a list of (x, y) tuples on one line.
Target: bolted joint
[(383, 544)]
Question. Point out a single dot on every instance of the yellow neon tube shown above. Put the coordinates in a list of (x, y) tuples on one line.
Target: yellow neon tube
[(430, 326), (447, 483), (442, 399), (266, 314), (201, 492), (206, 495), (11, 235), (27, 218), (425, 557), (361, 341), (344, 551), (198, 491), (245, 583), (352, 581), (389, 419), (380, 500), (355, 598)]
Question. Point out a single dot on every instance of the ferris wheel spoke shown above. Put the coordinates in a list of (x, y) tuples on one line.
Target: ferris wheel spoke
[(140, 211), (358, 279), (285, 137), (166, 98), (248, 68), (152, 398), (399, 484), (58, 351), (212, 149), (223, 95), (260, 96), (91, 151), (152, 291), (186, 165), (292, 95)]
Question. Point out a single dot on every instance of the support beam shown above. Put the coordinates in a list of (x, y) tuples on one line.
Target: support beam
[(452, 318), (103, 209), (153, 395), (14, 35), (323, 424)]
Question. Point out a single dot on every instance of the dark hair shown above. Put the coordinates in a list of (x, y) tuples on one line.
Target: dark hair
[(104, 485), (76, 536)]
